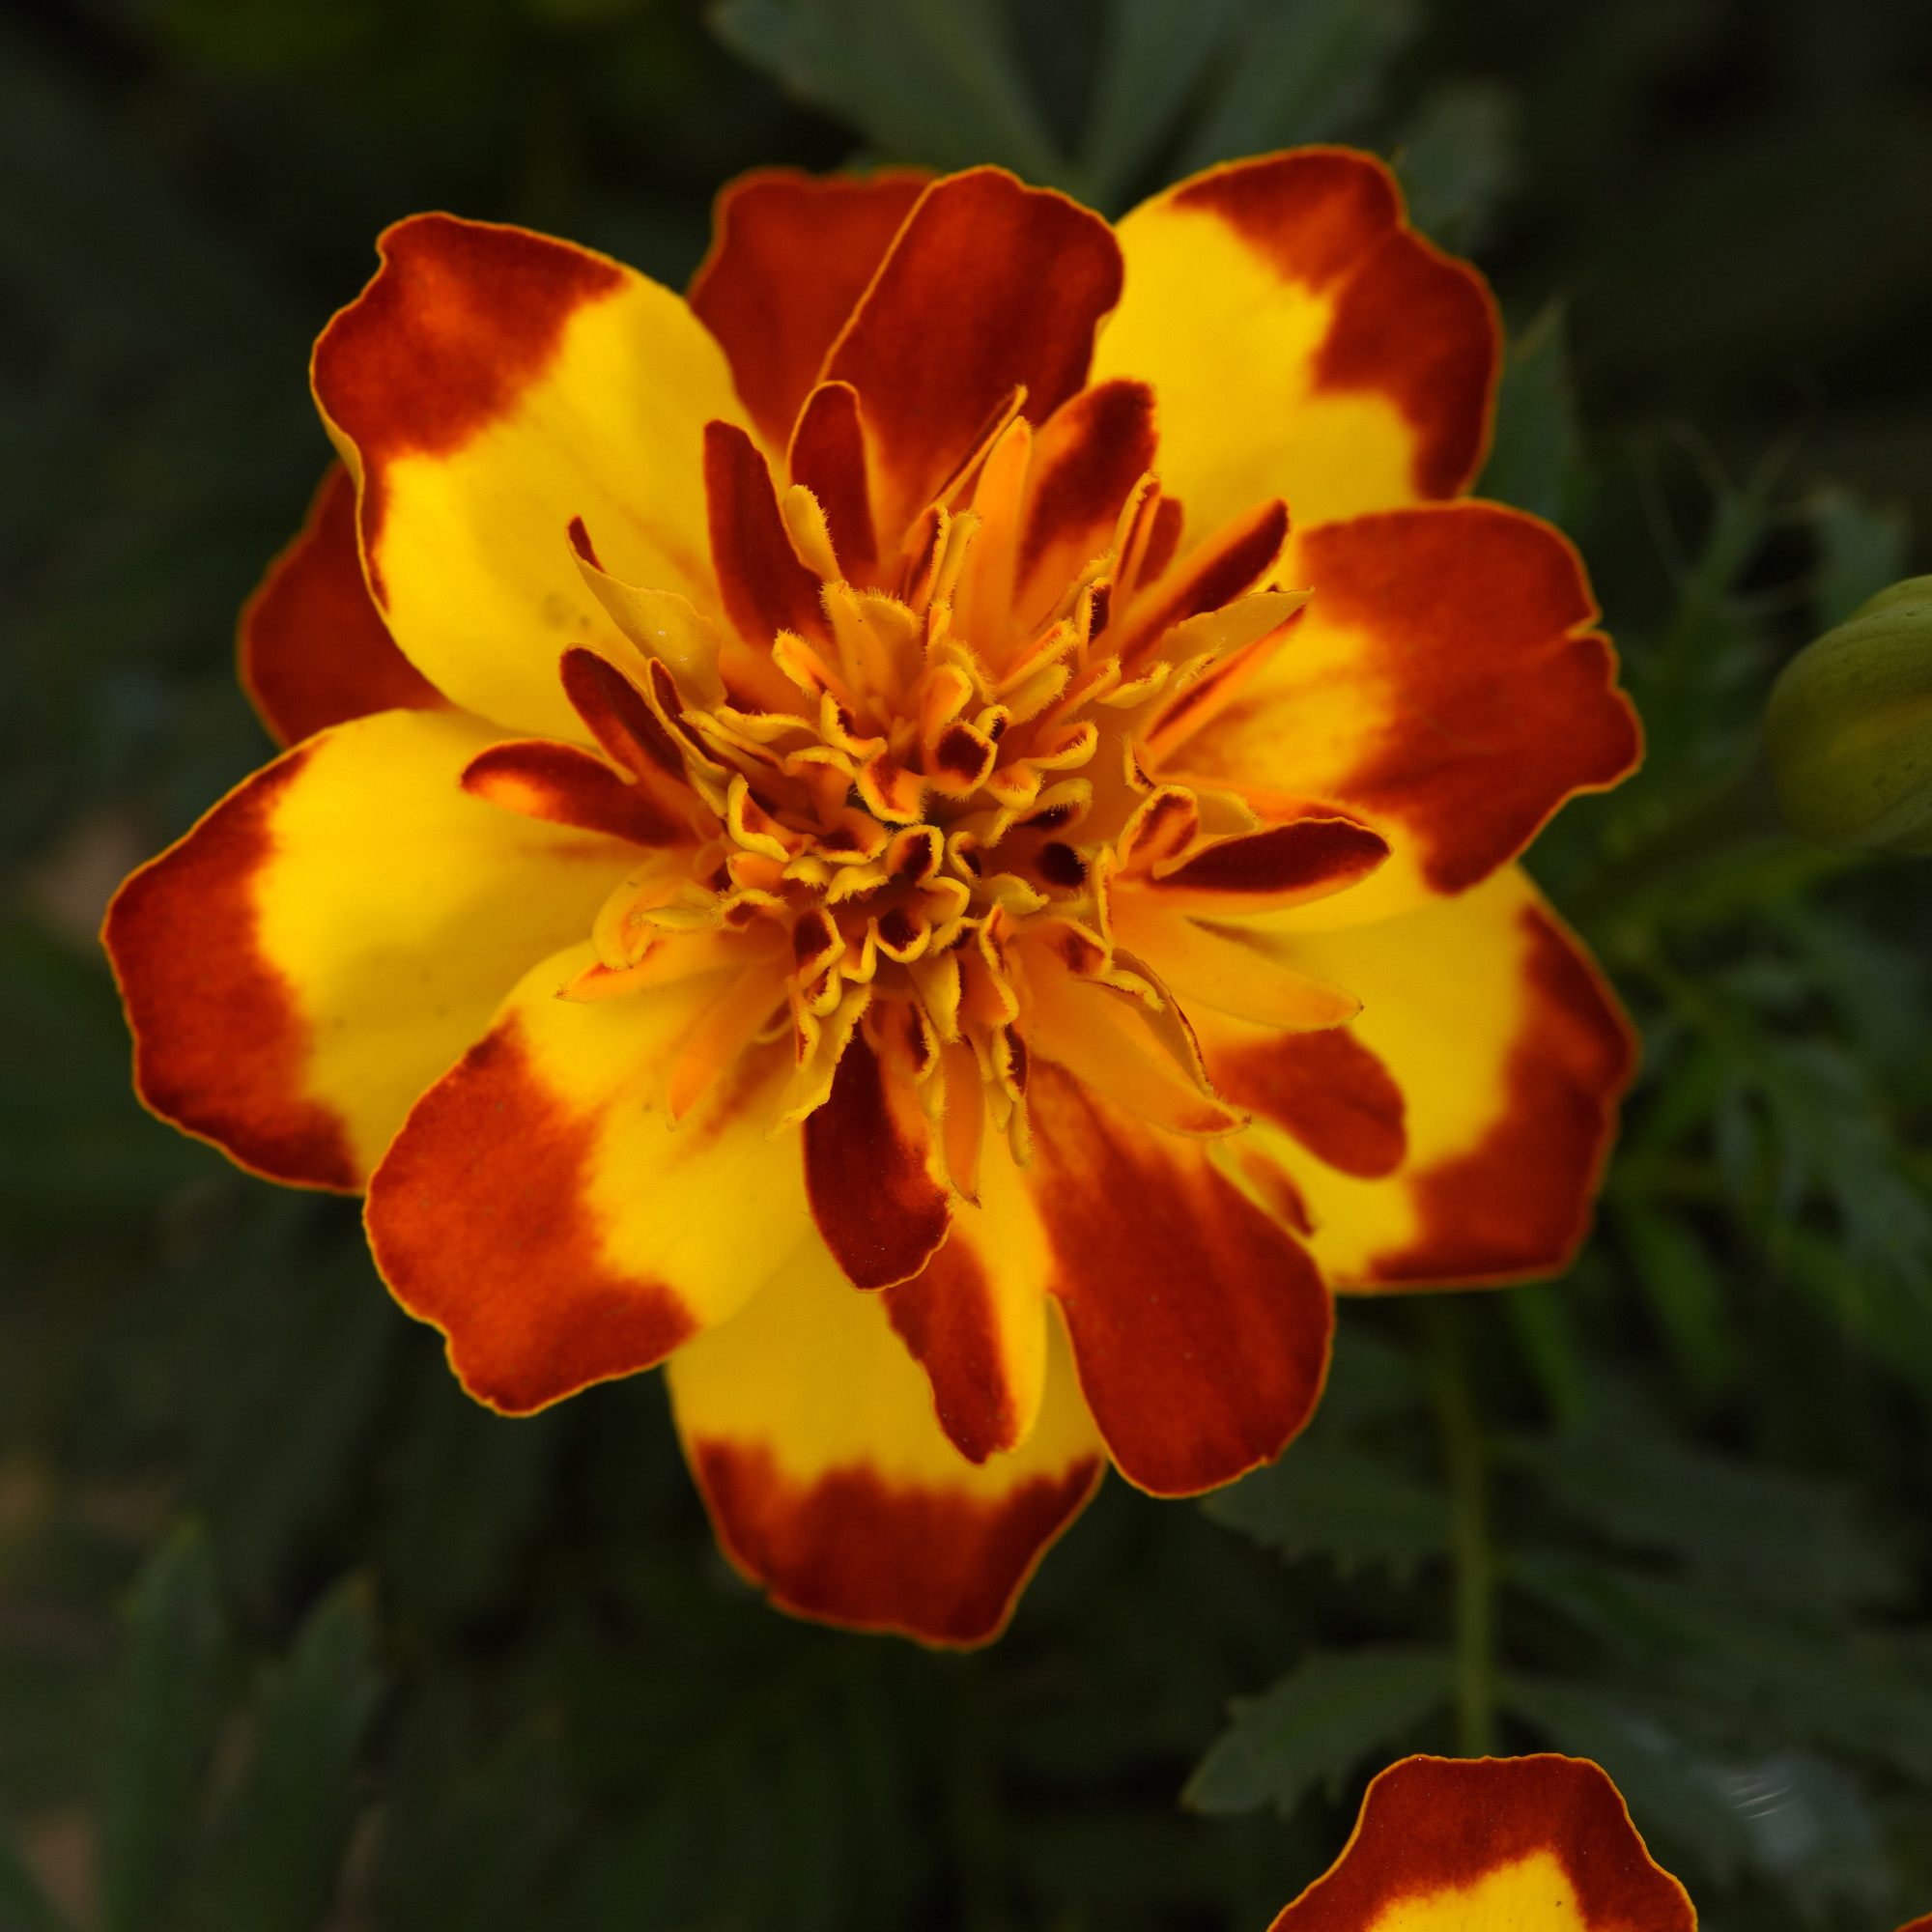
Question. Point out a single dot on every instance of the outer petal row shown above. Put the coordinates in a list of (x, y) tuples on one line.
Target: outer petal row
[(1457, 1131), (1303, 341), (486, 386), (333, 934)]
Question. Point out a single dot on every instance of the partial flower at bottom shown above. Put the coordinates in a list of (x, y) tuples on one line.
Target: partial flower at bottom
[(1520, 1844), (927, 834)]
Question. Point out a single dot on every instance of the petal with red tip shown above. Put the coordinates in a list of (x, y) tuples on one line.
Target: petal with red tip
[(1444, 685), (488, 387), (871, 1167), (790, 257), (1303, 340), (1200, 1325), (333, 934), (765, 588), (1460, 1134), (831, 1481), (314, 649), (974, 1318), (1538, 1844), (539, 1209), (565, 785), (989, 285)]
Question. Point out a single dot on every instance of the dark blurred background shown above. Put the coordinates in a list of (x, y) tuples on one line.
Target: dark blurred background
[(294, 1636)]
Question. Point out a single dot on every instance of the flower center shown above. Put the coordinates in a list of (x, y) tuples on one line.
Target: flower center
[(953, 775)]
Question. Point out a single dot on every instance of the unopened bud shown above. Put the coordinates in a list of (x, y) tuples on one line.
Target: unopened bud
[(1849, 728)]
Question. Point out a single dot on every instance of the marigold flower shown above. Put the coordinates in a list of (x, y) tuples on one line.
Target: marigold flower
[(852, 783)]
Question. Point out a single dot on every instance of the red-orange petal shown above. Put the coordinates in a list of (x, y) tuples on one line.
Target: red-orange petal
[(1090, 453), (205, 1006), (479, 1224), (1444, 683), (828, 456), (764, 587), (1327, 1089), (988, 285), (312, 647), (1493, 1841), (1200, 1325), (566, 785), (791, 254), (868, 1171)]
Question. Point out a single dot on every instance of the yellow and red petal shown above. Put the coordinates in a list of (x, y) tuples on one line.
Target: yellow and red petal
[(313, 648), (1458, 1128), (1200, 1325), (830, 1481), (872, 1170), (564, 784), (1303, 340), (333, 934), (765, 588), (1444, 685), (989, 286), (791, 254), (1538, 1844), (538, 1208), (488, 387), (974, 1318)]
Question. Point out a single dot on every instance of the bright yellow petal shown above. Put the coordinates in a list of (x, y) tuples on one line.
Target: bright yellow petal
[(487, 388), (1302, 342), (830, 1480), (334, 933), (1455, 1129), (540, 1209)]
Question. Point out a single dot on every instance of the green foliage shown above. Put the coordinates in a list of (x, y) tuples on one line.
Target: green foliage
[(1683, 1530)]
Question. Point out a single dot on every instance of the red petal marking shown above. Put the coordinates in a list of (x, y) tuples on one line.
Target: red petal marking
[(989, 284), (617, 715), (1200, 1325), (854, 1548), (314, 649), (1091, 453), (1409, 322), (1231, 562), (944, 1316), (790, 257), (828, 456), (868, 1172), (1326, 1089), (1519, 1202), (765, 588), (1309, 853), (1433, 1825), (478, 1223), (461, 318), (222, 1047), (541, 778), (1475, 618)]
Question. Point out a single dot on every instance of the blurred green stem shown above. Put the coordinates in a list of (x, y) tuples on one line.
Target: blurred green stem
[(1443, 1320)]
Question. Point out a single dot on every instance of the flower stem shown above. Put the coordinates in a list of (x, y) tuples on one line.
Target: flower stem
[(1444, 1319)]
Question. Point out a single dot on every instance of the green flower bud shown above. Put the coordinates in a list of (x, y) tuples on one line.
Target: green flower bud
[(1849, 728)]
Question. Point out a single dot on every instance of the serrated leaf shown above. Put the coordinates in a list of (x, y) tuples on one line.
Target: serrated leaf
[(1153, 57), (1687, 1298), (1317, 1725), (23, 1906), (926, 81), (275, 1864), (1338, 1501), (1297, 70), (162, 1723)]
